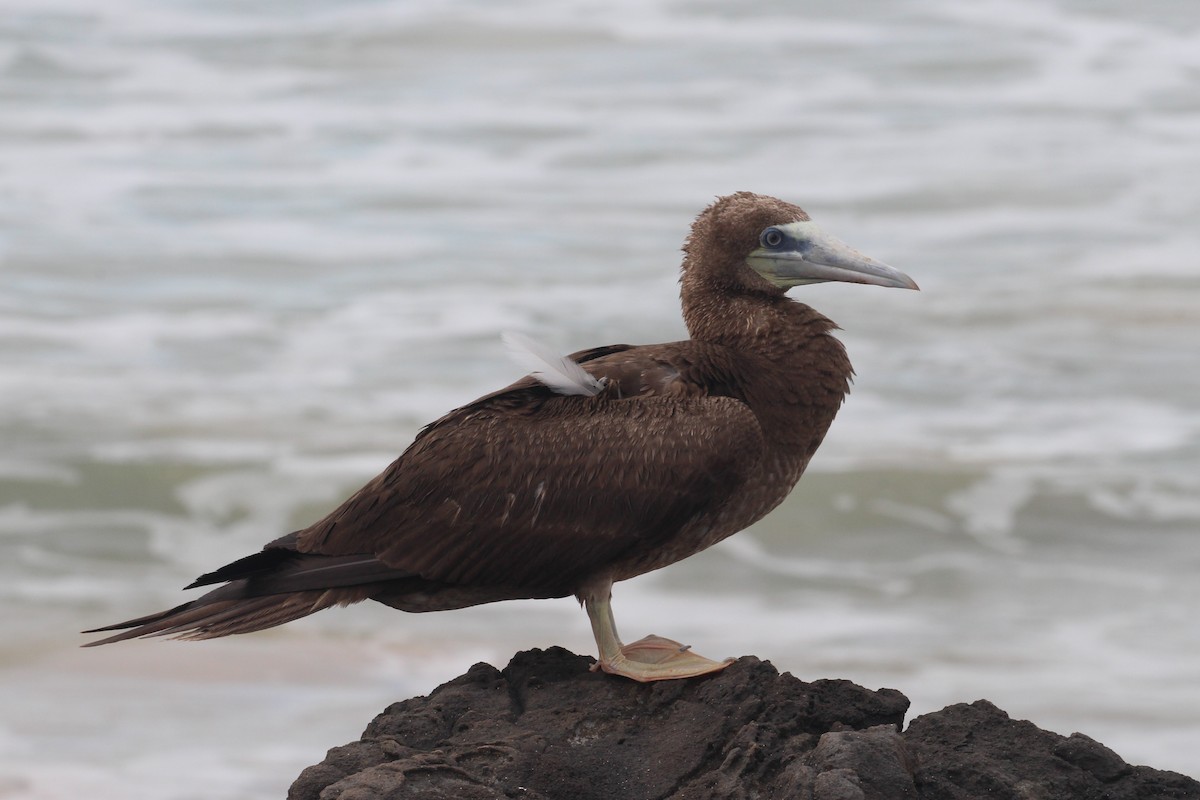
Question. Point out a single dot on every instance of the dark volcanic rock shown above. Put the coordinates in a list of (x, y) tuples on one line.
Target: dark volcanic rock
[(976, 750), (546, 728)]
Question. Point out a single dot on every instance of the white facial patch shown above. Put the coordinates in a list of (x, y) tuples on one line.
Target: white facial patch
[(803, 230)]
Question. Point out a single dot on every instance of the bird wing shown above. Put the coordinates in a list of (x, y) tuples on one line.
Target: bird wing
[(527, 488)]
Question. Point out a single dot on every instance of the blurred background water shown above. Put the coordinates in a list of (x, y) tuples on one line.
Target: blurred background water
[(246, 250)]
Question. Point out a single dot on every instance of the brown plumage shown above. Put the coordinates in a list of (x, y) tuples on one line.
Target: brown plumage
[(529, 493)]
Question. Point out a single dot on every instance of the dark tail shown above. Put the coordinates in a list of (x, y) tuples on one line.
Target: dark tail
[(218, 614), (266, 589)]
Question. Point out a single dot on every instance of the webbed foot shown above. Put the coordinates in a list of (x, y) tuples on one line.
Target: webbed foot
[(655, 658)]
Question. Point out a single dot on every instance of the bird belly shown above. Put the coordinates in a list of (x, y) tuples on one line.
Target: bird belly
[(705, 530)]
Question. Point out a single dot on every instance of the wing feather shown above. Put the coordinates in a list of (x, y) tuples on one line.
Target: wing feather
[(560, 373), (533, 489)]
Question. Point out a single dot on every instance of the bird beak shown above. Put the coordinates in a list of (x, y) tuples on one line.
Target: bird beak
[(806, 254)]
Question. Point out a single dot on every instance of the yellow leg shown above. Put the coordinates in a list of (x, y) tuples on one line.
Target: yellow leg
[(650, 659)]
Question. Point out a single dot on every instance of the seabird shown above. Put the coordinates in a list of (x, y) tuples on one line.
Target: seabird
[(607, 464)]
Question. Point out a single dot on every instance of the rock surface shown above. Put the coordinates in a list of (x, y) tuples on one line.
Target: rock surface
[(546, 728)]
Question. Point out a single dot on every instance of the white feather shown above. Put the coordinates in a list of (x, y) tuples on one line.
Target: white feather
[(558, 373)]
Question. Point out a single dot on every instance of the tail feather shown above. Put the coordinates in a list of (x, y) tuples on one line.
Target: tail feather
[(217, 614), (266, 589), (272, 610)]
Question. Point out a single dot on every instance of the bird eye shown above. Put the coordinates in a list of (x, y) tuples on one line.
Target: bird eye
[(771, 237)]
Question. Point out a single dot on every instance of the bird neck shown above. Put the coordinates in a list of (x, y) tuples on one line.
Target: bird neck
[(791, 371), (766, 324)]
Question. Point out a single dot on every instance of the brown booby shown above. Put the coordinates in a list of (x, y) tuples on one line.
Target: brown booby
[(611, 463)]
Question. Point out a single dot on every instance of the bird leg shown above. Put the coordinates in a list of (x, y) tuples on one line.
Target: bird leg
[(650, 659)]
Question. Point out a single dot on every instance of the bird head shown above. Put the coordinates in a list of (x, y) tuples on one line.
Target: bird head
[(780, 244)]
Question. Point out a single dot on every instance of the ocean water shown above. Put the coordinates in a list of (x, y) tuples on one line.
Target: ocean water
[(247, 250)]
